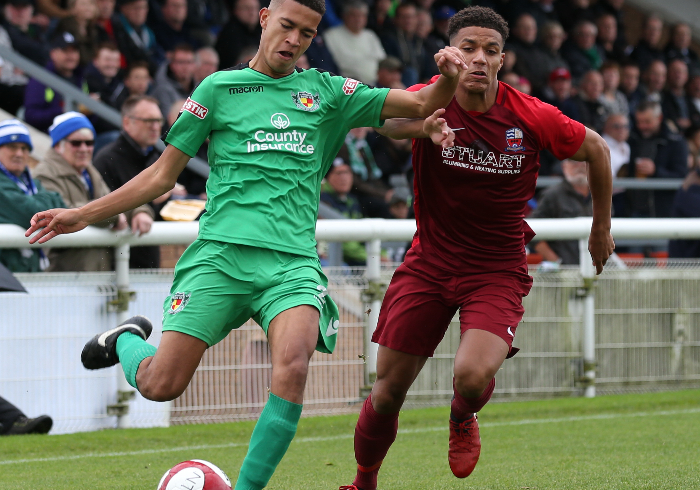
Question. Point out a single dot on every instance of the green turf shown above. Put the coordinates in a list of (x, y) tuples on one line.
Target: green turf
[(649, 441)]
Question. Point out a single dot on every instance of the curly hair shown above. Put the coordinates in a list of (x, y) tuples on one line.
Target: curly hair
[(478, 17)]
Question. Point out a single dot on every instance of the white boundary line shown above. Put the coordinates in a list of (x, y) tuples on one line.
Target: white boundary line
[(302, 440)]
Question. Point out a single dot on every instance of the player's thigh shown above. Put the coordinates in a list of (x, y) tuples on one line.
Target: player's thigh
[(415, 313), (211, 292), (396, 372)]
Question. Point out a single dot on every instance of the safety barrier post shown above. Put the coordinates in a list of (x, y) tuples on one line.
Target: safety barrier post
[(588, 295), (374, 294)]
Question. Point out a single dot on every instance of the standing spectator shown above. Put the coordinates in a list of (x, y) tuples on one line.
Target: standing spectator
[(132, 152), (206, 62), (581, 52), (14, 422), (175, 79), (41, 103), (678, 47), (656, 152), (135, 39), (654, 80), (592, 111), (67, 169), (569, 199), (389, 73), (686, 204), (27, 38), (81, 23), (137, 81), (356, 50), (614, 100), (336, 193), (615, 133), (104, 19), (171, 30), (649, 48), (629, 85), (531, 60), (405, 44), (20, 195), (552, 36), (12, 81), (674, 103), (558, 93), (608, 40), (242, 30)]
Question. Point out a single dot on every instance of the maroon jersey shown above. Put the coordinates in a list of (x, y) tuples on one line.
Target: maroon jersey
[(470, 199)]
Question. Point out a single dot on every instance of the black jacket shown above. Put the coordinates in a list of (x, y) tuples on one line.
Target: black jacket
[(233, 37)]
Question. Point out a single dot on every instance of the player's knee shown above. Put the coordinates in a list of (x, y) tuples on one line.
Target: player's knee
[(472, 383), (387, 397), (161, 390), (295, 369)]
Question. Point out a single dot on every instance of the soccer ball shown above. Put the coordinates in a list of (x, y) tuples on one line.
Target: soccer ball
[(195, 474)]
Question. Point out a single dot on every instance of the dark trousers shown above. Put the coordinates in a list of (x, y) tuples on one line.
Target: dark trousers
[(8, 414)]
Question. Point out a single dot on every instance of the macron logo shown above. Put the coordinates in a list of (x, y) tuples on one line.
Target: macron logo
[(195, 108)]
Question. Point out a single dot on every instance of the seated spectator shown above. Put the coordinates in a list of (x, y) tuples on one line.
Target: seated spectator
[(206, 62), (656, 152), (14, 422), (54, 9), (405, 44), (170, 29), (542, 11), (686, 204), (194, 184), (674, 103), (27, 38), (336, 193), (103, 81), (614, 100), (175, 79), (654, 80), (379, 19), (104, 19), (41, 103), (678, 47), (608, 41), (137, 81), (569, 199), (319, 56), (552, 36), (581, 52), (12, 81), (531, 60), (558, 93), (132, 152), (692, 136), (441, 21), (630, 86), (518, 82), (649, 48), (592, 111), (693, 94), (431, 43), (242, 30), (615, 133), (135, 39), (389, 73), (21, 197), (356, 50), (570, 12), (67, 169), (393, 157), (81, 23), (615, 8)]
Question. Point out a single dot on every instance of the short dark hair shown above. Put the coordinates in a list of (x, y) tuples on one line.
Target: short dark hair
[(136, 65), (648, 105), (315, 5), (478, 17), (108, 45), (185, 47), (133, 100)]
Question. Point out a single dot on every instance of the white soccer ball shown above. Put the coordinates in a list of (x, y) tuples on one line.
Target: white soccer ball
[(195, 474)]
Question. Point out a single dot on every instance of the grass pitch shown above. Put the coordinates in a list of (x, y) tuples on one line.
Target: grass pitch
[(649, 441)]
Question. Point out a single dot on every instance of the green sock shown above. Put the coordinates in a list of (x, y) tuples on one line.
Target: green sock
[(271, 437), (131, 350)]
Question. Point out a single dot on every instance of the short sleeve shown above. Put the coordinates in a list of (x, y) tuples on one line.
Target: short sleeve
[(360, 105), (556, 132), (194, 123)]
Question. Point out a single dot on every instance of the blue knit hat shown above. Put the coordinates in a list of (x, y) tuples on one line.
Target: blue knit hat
[(13, 131), (66, 124)]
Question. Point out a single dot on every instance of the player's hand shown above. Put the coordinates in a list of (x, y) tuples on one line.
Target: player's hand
[(601, 246), (141, 223), (450, 61), (437, 129), (55, 222)]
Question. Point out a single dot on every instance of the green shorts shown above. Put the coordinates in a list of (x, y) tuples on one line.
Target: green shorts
[(218, 286)]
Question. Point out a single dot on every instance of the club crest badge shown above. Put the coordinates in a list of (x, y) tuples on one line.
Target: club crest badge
[(514, 140), (306, 101), (178, 301)]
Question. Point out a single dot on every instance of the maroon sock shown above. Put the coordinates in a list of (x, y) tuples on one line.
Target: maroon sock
[(374, 435), (463, 408)]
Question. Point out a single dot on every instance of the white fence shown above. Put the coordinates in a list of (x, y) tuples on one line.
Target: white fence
[(648, 332)]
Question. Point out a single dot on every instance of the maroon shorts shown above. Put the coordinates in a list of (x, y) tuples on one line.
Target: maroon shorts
[(422, 300)]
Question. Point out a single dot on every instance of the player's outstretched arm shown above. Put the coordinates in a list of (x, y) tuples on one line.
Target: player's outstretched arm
[(421, 104), (595, 151), (145, 187), (433, 127)]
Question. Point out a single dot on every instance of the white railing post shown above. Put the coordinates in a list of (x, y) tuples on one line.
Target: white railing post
[(589, 362), (375, 290), (124, 390)]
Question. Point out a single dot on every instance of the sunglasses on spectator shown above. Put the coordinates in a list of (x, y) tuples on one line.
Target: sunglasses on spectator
[(77, 143)]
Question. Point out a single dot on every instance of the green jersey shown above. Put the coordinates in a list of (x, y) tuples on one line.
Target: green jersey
[(271, 142)]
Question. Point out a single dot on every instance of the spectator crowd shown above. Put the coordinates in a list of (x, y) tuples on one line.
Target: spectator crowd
[(144, 57)]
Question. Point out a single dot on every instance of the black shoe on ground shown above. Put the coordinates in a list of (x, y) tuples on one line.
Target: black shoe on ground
[(101, 351), (23, 425)]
